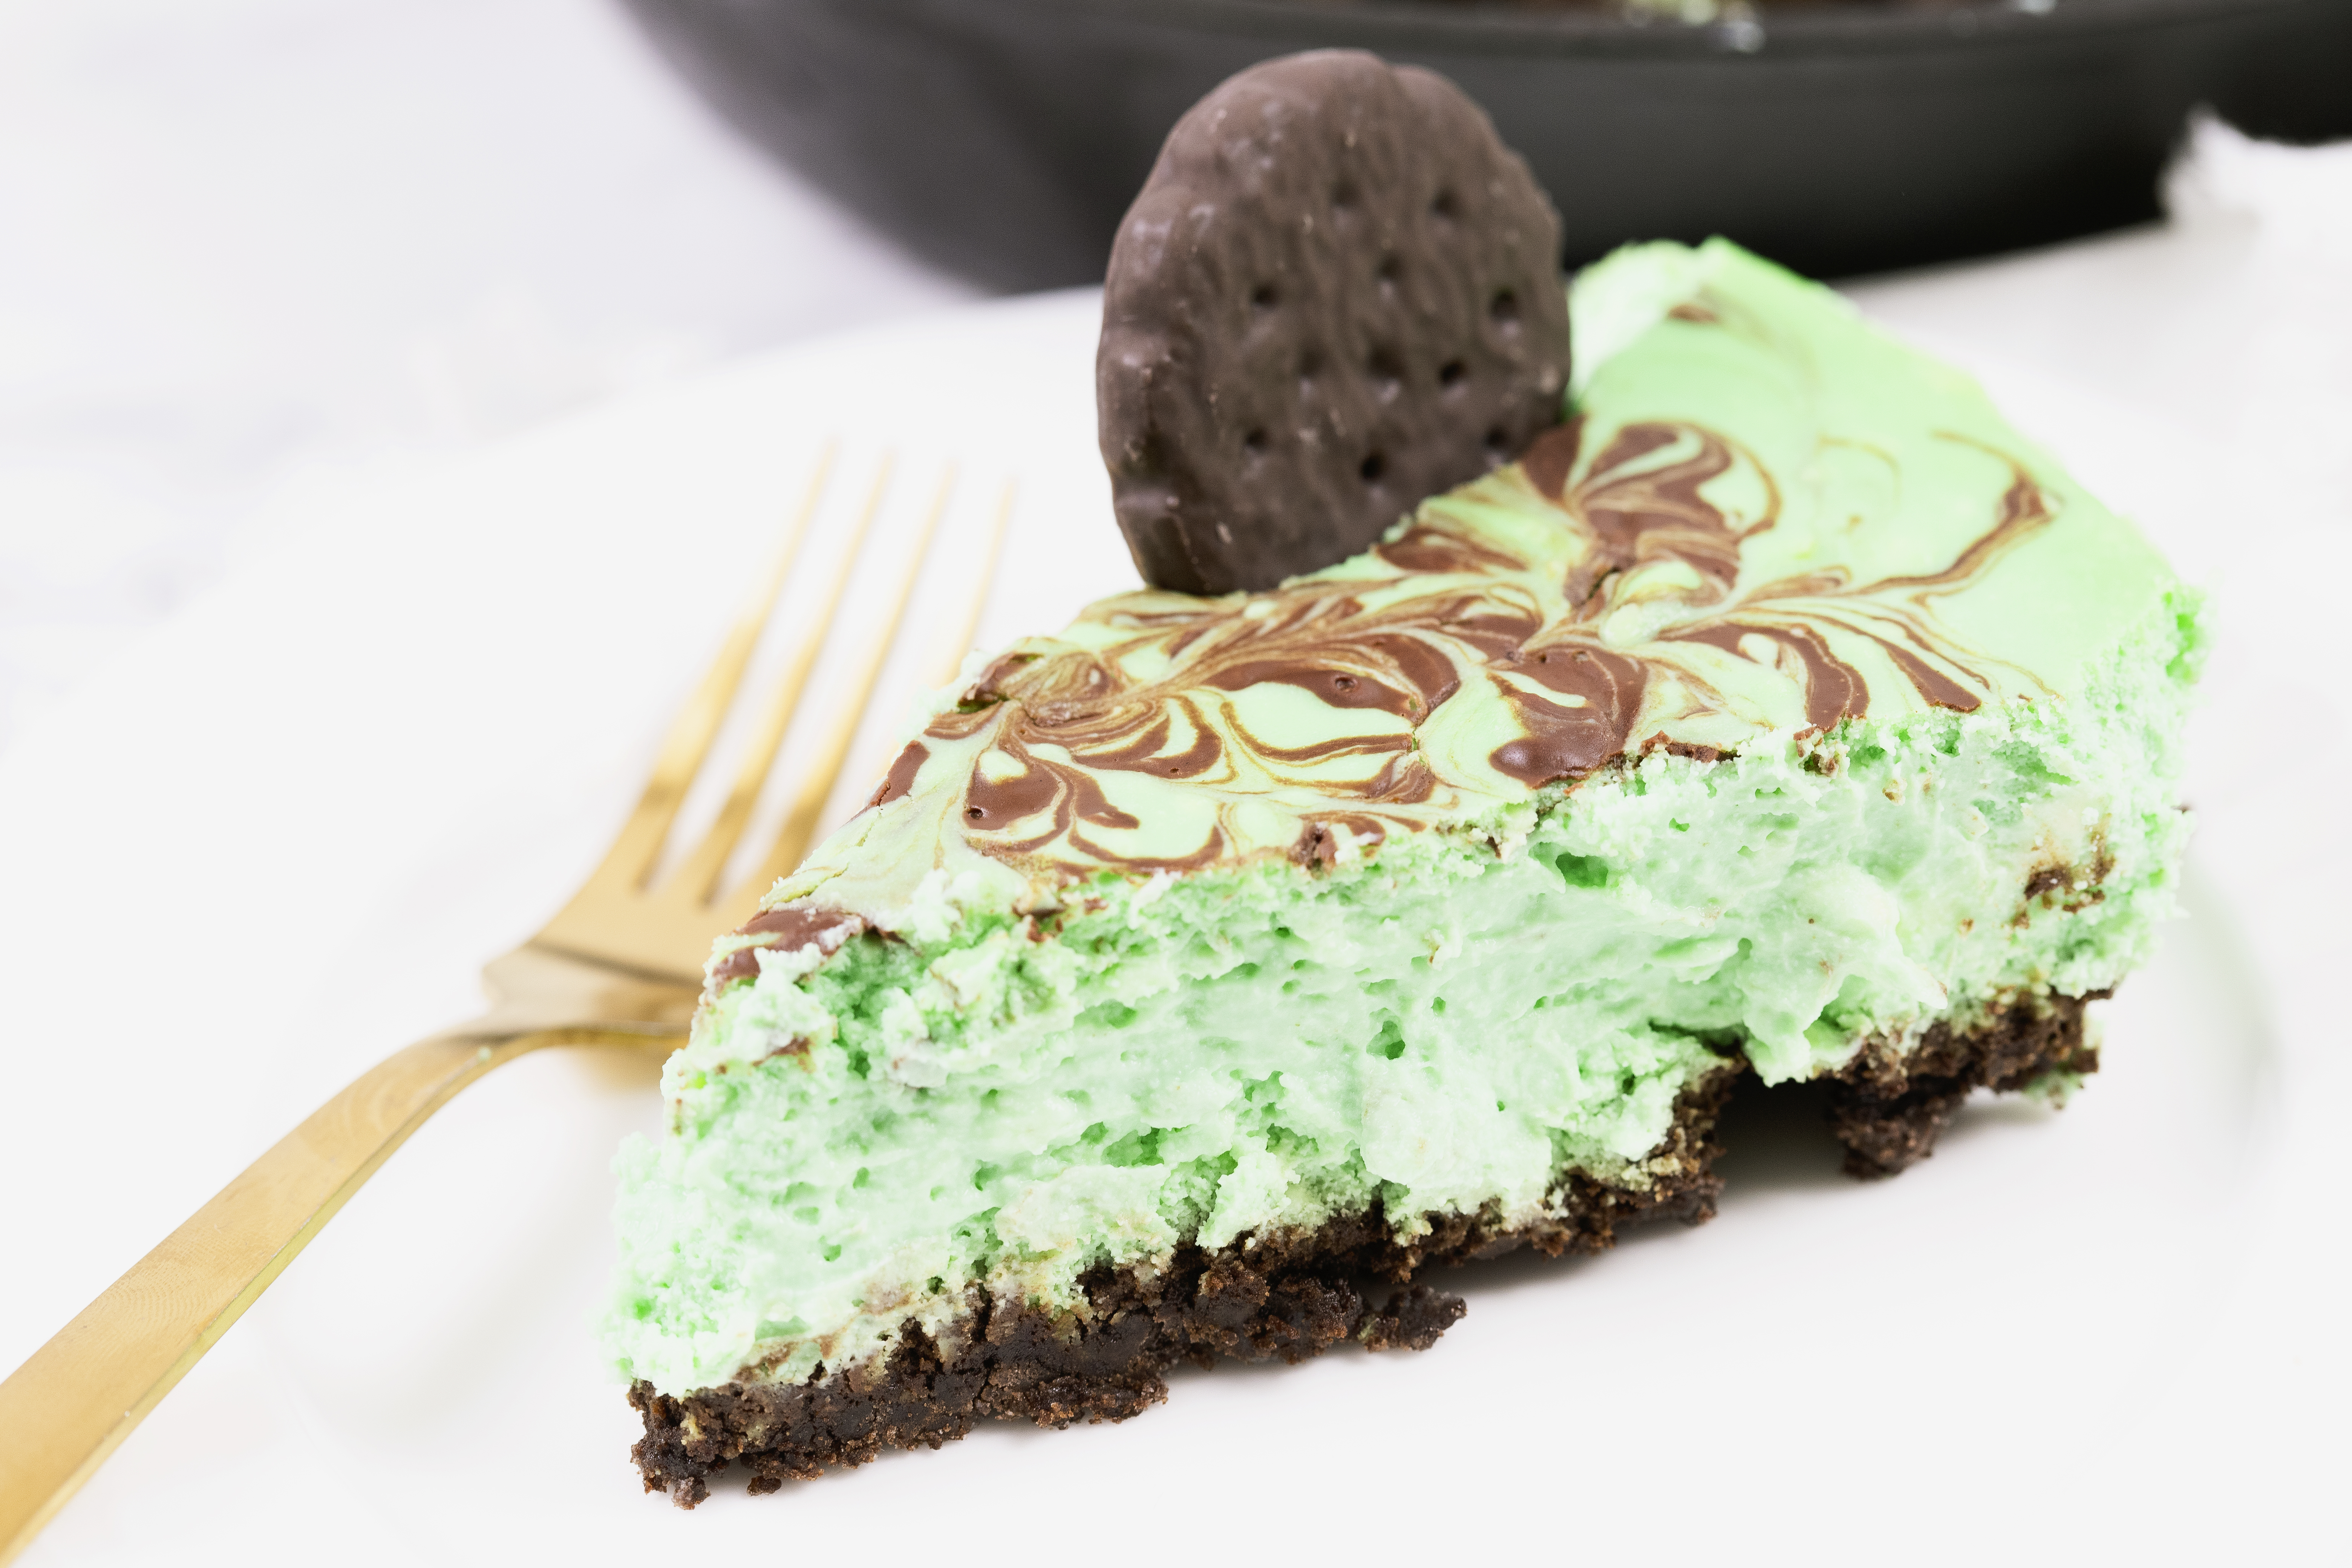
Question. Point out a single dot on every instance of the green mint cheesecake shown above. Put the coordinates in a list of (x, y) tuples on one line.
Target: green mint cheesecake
[(1204, 975)]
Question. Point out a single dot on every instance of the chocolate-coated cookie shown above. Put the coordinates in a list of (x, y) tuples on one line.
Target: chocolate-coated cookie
[(1337, 294)]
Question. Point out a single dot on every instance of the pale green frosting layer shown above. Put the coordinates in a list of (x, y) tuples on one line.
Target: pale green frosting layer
[(1769, 515), (1741, 718)]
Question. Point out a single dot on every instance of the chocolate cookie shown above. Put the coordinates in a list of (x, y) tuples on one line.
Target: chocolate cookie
[(1337, 294)]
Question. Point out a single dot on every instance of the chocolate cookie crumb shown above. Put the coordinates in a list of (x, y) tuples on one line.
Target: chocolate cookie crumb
[(1888, 1110)]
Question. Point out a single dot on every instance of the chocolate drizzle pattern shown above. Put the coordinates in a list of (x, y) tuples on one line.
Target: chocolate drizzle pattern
[(787, 930), (1632, 585), (1616, 605)]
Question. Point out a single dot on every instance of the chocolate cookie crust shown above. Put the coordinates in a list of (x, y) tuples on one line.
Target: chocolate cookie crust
[(1888, 1110), (1337, 294), (1284, 1297), (1291, 1297)]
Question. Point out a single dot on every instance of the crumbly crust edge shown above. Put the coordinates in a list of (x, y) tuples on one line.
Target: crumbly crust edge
[(1293, 1295)]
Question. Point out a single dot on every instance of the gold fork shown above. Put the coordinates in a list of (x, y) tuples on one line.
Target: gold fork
[(620, 964)]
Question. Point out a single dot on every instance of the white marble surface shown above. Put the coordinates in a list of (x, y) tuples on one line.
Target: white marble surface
[(256, 256)]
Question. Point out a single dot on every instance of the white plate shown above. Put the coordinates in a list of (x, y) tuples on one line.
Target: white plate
[(273, 841)]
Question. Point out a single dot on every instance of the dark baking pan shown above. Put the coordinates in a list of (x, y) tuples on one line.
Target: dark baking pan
[(1003, 139)]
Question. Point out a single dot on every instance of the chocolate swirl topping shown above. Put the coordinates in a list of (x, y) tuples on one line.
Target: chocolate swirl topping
[(1642, 579), (1613, 605)]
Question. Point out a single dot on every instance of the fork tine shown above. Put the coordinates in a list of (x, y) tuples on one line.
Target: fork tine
[(825, 772), (638, 847), (700, 876), (619, 920), (969, 634)]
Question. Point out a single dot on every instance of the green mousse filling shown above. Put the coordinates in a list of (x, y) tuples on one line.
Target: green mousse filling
[(1452, 1023), (1887, 717)]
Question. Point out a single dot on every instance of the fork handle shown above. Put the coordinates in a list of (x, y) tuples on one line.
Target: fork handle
[(64, 1411)]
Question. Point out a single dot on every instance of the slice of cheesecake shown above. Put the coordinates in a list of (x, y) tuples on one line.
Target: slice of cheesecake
[(1784, 712)]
